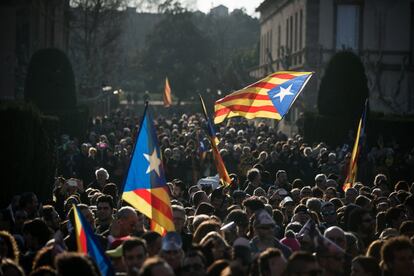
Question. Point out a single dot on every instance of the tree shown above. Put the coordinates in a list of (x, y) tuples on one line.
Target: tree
[(178, 49), (50, 82), (343, 88)]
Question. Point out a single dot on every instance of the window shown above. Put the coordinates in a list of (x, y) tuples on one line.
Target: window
[(300, 29), (287, 35), (347, 26), (278, 40), (296, 31)]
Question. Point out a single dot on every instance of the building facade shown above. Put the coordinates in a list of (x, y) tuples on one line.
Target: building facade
[(305, 34), (25, 27)]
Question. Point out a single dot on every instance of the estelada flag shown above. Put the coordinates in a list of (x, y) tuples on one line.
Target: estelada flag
[(218, 161), (145, 187), (167, 94), (270, 97), (89, 244), (353, 163)]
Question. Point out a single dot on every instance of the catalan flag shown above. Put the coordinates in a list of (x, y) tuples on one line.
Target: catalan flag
[(145, 187), (167, 94), (221, 168), (270, 97), (89, 244), (352, 169)]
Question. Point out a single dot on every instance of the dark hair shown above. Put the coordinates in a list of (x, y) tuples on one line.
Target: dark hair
[(390, 247), (264, 258), (204, 228), (38, 229), (253, 203), (71, 263), (47, 211), (150, 237), (43, 271), (105, 198), (239, 217), (204, 208), (298, 183), (10, 264), (150, 263), (295, 258), (407, 227), (131, 243), (317, 192), (392, 214), (368, 264), (44, 257), (25, 199), (401, 185), (197, 196), (252, 174), (12, 249), (362, 200)]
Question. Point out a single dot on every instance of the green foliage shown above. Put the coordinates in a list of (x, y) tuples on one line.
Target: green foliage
[(200, 52), (177, 49), (343, 88), (28, 157), (50, 83)]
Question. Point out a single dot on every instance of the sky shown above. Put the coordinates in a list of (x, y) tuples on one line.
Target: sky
[(206, 5)]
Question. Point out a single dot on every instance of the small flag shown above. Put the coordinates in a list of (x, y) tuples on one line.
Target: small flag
[(353, 168), (167, 94), (89, 244), (221, 168), (145, 187), (270, 97)]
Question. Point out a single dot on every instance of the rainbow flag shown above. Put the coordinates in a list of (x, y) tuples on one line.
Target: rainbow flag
[(167, 94), (353, 168), (270, 97), (89, 244), (145, 187), (218, 161)]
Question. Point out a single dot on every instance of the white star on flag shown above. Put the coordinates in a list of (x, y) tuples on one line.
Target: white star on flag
[(284, 92), (154, 162)]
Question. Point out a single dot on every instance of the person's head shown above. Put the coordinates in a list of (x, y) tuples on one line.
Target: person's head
[(29, 203), (43, 271), (127, 219), (253, 176), (199, 197), (240, 218), (51, 217), (365, 266), (314, 204), (305, 192), (395, 216), (36, 234), (252, 204), (194, 264), (178, 189), (361, 221), (134, 253), (374, 250), (104, 208), (271, 262), (351, 195), (302, 263), (320, 181), (214, 247), (101, 175), (70, 263), (172, 249), (153, 241), (282, 177), (179, 217), (9, 267), (8, 247), (337, 235), (397, 256), (156, 266), (264, 225), (329, 213), (407, 228)]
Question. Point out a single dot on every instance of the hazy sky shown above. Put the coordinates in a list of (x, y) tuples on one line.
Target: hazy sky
[(206, 5)]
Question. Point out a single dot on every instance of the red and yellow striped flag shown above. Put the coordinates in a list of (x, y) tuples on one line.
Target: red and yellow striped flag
[(270, 97), (167, 94), (353, 168), (218, 161)]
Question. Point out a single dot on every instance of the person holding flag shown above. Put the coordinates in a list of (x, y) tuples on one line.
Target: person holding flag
[(145, 187)]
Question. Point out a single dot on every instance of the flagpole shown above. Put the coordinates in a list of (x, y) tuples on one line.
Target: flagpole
[(133, 150)]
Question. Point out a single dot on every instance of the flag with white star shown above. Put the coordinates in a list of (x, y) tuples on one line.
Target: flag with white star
[(270, 97), (145, 187)]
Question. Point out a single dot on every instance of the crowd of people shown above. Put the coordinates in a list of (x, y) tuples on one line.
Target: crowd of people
[(284, 213)]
